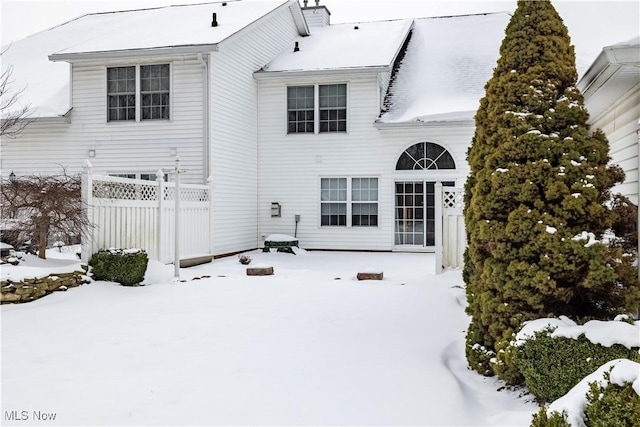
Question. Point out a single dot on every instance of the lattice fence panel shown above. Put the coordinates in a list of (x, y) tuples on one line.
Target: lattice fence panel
[(452, 198), (125, 190)]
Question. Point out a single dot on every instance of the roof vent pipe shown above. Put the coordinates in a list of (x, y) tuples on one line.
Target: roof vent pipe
[(296, 48), (317, 2), (214, 20), (306, 3)]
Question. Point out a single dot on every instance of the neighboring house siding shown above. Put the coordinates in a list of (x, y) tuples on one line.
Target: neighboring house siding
[(234, 126), (316, 17), (120, 147), (292, 165), (621, 123)]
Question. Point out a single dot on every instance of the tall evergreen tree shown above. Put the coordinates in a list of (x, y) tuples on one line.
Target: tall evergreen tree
[(536, 198)]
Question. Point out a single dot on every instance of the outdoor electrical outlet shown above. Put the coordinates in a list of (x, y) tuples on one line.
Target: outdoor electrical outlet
[(297, 217)]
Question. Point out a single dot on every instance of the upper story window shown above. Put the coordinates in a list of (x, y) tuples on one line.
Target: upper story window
[(121, 93), (300, 109), (317, 108), (139, 92), (333, 108), (154, 90)]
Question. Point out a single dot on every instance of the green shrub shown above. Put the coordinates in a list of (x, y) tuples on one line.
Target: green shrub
[(612, 406), (505, 366), (126, 267), (526, 196), (541, 419), (552, 366)]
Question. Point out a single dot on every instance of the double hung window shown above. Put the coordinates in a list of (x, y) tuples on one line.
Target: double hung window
[(333, 201), (300, 109), (317, 108), (138, 92), (121, 93), (349, 202)]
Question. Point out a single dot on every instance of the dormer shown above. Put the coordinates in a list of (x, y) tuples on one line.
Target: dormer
[(316, 16)]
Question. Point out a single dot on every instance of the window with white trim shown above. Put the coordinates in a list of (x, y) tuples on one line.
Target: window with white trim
[(317, 108), (364, 202), (333, 108), (349, 202), (121, 93), (333, 201), (138, 92), (142, 176), (300, 109)]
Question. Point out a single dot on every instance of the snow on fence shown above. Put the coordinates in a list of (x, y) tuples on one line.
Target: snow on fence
[(133, 213), (451, 243)]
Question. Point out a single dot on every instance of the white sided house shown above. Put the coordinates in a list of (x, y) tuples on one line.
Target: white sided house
[(350, 136), (611, 89)]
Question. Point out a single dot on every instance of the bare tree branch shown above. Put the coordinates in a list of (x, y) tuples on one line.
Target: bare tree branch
[(14, 116), (41, 208)]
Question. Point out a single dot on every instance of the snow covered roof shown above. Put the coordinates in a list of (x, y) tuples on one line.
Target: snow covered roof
[(131, 33), (171, 26), (446, 64), (340, 47)]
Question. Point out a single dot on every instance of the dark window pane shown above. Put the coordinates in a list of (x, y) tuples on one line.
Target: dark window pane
[(154, 91)]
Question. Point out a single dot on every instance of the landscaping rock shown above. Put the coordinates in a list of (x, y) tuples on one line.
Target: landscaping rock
[(370, 276), (260, 271)]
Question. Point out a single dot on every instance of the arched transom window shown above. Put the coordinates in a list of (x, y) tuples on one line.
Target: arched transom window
[(425, 156)]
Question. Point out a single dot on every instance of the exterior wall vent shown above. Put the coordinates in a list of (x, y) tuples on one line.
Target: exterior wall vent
[(214, 20)]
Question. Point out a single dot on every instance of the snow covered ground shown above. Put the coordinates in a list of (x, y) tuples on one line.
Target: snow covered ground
[(308, 346)]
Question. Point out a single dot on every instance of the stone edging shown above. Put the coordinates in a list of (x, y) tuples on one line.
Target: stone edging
[(30, 289)]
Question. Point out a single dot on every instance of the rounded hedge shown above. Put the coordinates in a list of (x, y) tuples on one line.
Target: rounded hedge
[(551, 366), (125, 266)]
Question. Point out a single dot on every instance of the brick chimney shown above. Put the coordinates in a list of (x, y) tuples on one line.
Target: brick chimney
[(316, 16)]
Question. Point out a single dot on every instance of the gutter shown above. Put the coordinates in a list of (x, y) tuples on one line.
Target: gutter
[(608, 62), (133, 53), (206, 167), (419, 124), (263, 75)]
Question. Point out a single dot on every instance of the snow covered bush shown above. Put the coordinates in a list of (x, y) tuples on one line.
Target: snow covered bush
[(612, 406), (609, 397), (125, 266), (556, 419), (536, 200), (551, 366)]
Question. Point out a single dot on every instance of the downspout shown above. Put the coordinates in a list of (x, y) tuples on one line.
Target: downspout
[(206, 166)]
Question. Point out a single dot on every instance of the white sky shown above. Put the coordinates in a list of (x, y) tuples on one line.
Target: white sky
[(592, 24)]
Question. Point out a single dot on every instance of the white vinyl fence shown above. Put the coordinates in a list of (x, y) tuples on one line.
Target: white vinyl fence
[(451, 244), (133, 213)]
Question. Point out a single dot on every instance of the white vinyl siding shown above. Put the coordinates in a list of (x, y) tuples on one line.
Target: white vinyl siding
[(292, 165), (620, 123), (119, 147), (234, 127)]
